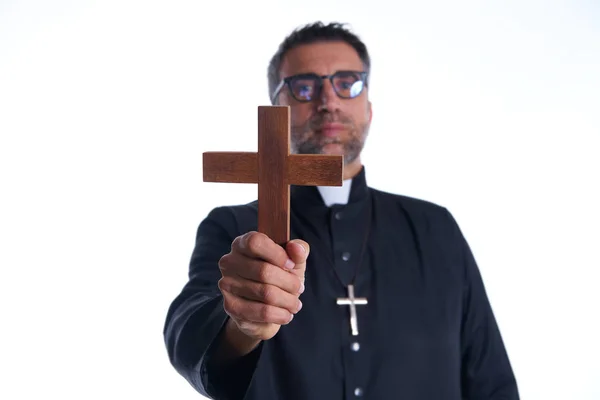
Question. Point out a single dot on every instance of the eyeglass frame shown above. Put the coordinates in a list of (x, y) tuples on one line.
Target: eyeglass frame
[(364, 76)]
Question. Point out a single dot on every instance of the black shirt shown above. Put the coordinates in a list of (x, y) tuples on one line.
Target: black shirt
[(427, 333)]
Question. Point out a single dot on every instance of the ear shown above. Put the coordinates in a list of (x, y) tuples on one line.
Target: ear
[(370, 111)]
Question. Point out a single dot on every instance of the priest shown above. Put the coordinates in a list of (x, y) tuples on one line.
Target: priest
[(376, 295)]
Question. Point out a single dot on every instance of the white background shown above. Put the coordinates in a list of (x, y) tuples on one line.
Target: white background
[(489, 108)]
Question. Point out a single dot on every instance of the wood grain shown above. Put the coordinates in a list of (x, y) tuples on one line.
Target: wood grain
[(230, 167), (273, 190), (315, 170)]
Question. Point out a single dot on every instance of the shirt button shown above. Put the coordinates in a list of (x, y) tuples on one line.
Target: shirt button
[(338, 215), (355, 346), (358, 392), (345, 256)]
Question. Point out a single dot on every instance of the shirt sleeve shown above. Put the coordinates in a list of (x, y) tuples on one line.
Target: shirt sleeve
[(196, 317), (486, 372)]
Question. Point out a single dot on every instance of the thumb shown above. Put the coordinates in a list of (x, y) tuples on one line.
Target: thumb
[(298, 251)]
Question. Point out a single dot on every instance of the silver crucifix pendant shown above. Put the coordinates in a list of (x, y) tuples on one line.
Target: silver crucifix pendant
[(352, 302)]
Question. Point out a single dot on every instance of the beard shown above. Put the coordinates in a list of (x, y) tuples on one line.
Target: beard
[(307, 139)]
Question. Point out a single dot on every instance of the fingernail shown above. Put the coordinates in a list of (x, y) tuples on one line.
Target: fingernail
[(302, 287), (289, 264), (302, 247), (299, 306)]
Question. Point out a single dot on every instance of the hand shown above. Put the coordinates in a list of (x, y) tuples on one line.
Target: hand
[(262, 282)]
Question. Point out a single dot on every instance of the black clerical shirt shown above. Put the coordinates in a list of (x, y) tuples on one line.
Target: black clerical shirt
[(427, 333)]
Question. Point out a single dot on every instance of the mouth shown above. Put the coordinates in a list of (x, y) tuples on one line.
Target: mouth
[(331, 129)]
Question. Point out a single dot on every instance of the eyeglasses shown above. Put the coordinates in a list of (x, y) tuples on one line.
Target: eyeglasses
[(307, 87)]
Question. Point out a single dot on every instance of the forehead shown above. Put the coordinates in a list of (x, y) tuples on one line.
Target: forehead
[(322, 58)]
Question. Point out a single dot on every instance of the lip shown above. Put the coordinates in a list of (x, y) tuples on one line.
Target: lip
[(331, 129)]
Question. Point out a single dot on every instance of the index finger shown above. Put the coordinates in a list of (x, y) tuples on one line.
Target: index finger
[(259, 246)]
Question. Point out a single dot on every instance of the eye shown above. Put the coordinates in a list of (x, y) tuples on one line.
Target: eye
[(303, 88), (356, 88), (348, 84)]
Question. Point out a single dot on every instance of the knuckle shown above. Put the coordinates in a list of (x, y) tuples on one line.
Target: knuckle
[(254, 242), (267, 293), (265, 313), (265, 271), (237, 243), (224, 284), (291, 284), (225, 261), (229, 305)]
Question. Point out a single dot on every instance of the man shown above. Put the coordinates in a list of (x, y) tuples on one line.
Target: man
[(259, 321)]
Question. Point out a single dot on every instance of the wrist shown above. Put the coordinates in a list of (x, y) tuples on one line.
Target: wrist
[(234, 343)]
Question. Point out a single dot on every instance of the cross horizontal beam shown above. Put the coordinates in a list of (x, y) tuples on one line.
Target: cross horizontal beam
[(242, 167), (230, 167)]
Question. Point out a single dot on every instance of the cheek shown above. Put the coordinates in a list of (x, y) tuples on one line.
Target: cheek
[(300, 114), (360, 115)]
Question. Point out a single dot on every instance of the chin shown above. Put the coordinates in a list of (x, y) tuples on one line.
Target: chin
[(333, 149)]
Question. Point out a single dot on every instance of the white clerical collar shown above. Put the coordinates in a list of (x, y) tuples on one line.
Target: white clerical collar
[(336, 194)]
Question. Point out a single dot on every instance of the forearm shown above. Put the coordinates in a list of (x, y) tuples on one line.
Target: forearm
[(196, 320), (231, 362), (192, 325)]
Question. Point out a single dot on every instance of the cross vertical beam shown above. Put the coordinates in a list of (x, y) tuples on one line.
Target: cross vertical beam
[(273, 188)]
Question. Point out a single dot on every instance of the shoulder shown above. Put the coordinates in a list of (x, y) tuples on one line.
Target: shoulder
[(429, 224), (410, 205), (234, 219), (423, 217)]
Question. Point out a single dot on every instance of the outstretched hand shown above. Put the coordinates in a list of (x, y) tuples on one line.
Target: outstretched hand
[(261, 283)]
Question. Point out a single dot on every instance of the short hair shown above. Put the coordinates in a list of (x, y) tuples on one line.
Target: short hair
[(314, 33)]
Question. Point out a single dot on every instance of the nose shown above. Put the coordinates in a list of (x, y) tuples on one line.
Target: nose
[(328, 99)]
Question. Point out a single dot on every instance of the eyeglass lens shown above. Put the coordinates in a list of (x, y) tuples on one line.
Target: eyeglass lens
[(345, 84)]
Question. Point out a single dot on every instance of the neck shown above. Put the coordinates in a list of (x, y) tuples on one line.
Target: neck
[(352, 169)]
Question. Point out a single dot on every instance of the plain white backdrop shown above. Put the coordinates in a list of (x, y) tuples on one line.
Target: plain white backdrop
[(488, 108)]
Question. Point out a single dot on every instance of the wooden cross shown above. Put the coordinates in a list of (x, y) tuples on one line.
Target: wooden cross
[(274, 169), (352, 302)]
